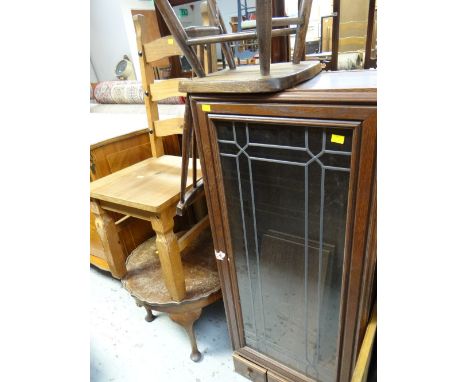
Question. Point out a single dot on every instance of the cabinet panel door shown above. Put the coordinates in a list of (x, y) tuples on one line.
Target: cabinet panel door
[(286, 188)]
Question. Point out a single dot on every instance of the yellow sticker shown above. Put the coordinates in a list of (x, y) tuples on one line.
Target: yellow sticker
[(206, 107), (337, 139), (170, 41)]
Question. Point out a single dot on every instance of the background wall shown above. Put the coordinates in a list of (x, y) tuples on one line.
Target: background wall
[(194, 18), (109, 42), (113, 36), (92, 72)]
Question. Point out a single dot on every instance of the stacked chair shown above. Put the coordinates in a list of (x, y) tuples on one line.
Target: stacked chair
[(265, 77), (172, 273)]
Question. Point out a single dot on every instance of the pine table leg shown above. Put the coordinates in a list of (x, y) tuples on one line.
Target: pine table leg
[(107, 231), (169, 254)]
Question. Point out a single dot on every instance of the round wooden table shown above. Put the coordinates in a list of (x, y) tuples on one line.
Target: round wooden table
[(145, 282)]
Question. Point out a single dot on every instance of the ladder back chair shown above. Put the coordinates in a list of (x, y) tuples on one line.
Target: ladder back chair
[(175, 274), (265, 77)]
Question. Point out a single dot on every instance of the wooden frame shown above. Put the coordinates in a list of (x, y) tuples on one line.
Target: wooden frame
[(335, 35), (361, 370), (322, 23), (280, 46), (368, 61), (360, 114)]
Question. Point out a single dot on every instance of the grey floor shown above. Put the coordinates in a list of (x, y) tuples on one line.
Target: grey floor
[(124, 347)]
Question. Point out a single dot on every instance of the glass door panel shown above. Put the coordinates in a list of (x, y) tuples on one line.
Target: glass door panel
[(286, 191)]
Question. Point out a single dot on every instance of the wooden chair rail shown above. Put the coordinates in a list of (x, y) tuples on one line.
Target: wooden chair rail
[(185, 240), (194, 31), (167, 127), (161, 48), (238, 36), (162, 89), (275, 22)]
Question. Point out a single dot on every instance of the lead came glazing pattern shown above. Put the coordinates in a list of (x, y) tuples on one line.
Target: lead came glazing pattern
[(287, 212)]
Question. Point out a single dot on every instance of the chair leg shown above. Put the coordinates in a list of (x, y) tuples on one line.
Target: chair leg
[(178, 32), (169, 254), (186, 320), (149, 314), (217, 20), (107, 231), (299, 44), (264, 35)]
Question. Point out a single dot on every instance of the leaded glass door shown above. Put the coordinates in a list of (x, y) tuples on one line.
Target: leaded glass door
[(286, 186)]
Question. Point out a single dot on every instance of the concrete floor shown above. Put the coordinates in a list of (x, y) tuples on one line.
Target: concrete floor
[(124, 347)]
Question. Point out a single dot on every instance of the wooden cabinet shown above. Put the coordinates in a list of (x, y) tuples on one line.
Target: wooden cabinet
[(290, 185)]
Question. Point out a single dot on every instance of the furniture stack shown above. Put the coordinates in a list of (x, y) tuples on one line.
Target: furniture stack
[(288, 156), (173, 272)]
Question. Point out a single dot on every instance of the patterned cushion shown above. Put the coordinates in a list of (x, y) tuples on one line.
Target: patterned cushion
[(119, 92), (123, 92)]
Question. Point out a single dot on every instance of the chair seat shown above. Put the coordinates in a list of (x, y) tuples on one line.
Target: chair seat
[(247, 79), (151, 185)]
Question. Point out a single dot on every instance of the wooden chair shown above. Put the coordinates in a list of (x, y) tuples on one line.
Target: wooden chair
[(182, 277), (250, 78)]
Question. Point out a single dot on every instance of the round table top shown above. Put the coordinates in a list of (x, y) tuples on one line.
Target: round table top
[(144, 279)]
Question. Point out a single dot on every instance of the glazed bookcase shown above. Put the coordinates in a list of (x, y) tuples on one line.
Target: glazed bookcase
[(290, 186)]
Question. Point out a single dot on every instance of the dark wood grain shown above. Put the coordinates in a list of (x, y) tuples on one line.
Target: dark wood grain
[(249, 79), (177, 30), (352, 105), (176, 67), (217, 19), (335, 34), (358, 246), (370, 267), (175, 3), (212, 193), (299, 43), (368, 62), (263, 15), (238, 36), (280, 45)]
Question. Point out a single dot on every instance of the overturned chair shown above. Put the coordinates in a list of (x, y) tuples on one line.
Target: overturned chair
[(262, 78)]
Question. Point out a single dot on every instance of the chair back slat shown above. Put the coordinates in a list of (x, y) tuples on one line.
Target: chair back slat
[(161, 48), (171, 126), (162, 89), (150, 54)]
